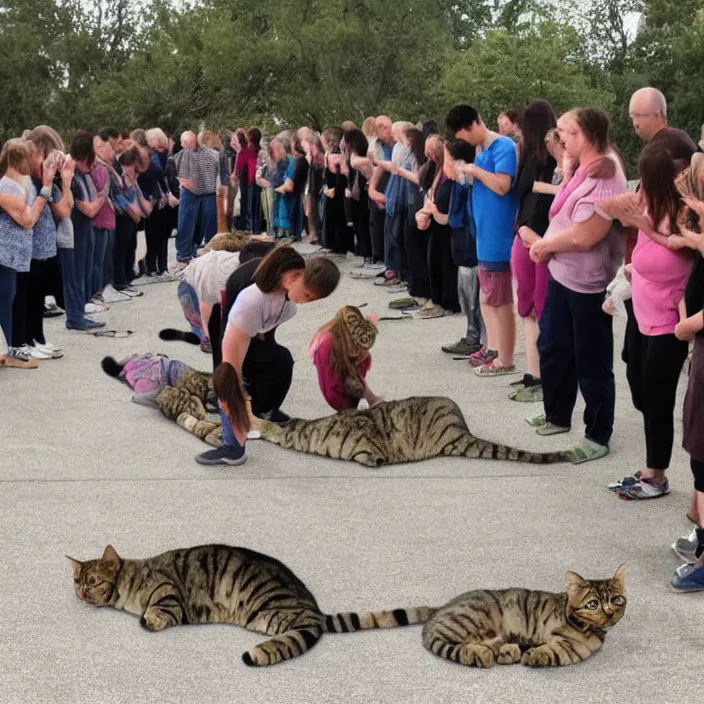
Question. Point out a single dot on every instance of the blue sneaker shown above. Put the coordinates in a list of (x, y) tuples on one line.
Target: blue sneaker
[(85, 325), (231, 456), (688, 579)]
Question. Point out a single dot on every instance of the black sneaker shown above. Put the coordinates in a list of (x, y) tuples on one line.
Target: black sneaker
[(51, 310), (461, 348), (277, 416), (231, 456)]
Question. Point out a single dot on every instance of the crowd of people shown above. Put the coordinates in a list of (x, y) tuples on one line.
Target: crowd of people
[(533, 221)]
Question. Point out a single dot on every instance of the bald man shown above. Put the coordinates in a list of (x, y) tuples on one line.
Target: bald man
[(648, 112), (197, 170)]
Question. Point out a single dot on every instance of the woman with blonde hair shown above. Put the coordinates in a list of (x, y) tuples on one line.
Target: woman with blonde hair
[(17, 218)]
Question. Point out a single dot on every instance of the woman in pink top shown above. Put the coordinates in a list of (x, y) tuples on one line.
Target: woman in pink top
[(654, 355), (576, 339), (340, 352)]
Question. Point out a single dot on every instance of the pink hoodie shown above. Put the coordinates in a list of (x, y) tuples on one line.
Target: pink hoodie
[(658, 283)]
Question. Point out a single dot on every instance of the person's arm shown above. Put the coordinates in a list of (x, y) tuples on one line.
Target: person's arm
[(689, 327), (580, 237), (361, 163), (376, 196), (440, 218), (16, 207), (688, 239), (412, 176), (91, 208), (62, 208), (286, 186), (234, 347), (500, 183), (205, 311)]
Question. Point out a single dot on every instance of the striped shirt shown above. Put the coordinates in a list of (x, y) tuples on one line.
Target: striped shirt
[(201, 167)]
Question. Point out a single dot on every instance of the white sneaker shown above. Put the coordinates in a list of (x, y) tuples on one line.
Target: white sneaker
[(95, 308), (53, 351), (110, 295), (35, 352)]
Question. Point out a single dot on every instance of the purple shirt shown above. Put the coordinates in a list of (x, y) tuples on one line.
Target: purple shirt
[(105, 219)]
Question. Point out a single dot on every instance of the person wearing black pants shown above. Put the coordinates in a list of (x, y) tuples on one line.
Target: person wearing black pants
[(576, 349), (653, 372), (124, 252), (158, 231)]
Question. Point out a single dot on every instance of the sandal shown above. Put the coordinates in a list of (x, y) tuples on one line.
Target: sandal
[(586, 451), (551, 429), (491, 369), (113, 333), (527, 394)]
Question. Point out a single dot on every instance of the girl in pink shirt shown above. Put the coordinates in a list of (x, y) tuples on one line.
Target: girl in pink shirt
[(654, 356), (340, 352)]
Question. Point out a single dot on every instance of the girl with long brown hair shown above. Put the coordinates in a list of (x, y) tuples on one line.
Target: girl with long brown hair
[(340, 352)]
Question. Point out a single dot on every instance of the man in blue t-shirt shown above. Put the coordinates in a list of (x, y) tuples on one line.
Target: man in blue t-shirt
[(494, 204)]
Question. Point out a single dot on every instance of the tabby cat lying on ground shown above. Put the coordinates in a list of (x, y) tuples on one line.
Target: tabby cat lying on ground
[(224, 584), (539, 629), (407, 430)]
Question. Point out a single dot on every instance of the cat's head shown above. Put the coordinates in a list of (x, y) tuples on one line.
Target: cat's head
[(95, 581), (596, 603)]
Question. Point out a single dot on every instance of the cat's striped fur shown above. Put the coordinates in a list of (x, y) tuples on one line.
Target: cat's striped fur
[(206, 430), (392, 432), (224, 584), (539, 629)]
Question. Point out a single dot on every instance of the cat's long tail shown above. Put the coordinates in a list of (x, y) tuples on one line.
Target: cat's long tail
[(111, 366), (351, 622), (484, 449), (170, 334)]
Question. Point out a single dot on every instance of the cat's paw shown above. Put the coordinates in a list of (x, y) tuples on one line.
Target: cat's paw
[(474, 654), (509, 654), (541, 656), (154, 620)]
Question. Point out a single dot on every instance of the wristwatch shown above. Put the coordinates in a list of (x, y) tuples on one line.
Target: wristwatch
[(45, 193)]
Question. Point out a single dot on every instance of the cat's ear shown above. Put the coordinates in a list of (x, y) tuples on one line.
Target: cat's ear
[(574, 582), (110, 557), (76, 565), (618, 581)]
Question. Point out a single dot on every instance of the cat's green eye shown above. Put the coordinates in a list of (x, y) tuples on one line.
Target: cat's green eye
[(618, 601), (593, 605)]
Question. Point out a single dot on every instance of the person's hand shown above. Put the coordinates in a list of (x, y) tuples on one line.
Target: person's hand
[(68, 169), (378, 198), (172, 200), (134, 212), (528, 236), (280, 189), (628, 272), (539, 251), (691, 238), (329, 192), (188, 183), (696, 205), (469, 170), (684, 331), (49, 167), (677, 242), (423, 219), (373, 318)]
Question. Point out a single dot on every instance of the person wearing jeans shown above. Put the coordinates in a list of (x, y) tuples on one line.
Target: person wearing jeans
[(16, 222), (197, 169), (261, 295)]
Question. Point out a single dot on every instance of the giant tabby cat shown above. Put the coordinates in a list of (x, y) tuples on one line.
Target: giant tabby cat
[(407, 430), (539, 629), (224, 584)]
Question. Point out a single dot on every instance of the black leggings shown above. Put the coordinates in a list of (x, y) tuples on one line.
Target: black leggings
[(124, 251), (360, 218), (416, 245), (697, 468), (653, 371), (442, 270), (158, 231), (28, 307)]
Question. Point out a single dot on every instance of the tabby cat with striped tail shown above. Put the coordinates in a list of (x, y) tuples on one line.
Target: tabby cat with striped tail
[(408, 430), (539, 629), (224, 584)]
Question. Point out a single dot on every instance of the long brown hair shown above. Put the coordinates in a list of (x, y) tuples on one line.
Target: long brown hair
[(272, 268), (344, 349), (535, 121), (658, 170), (228, 388)]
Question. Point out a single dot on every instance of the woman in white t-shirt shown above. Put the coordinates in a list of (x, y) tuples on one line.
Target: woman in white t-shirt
[(261, 295)]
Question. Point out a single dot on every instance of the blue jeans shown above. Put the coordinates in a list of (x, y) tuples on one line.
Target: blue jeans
[(8, 287), (254, 209), (188, 298), (82, 269), (108, 264), (194, 211), (73, 291), (100, 236), (576, 346), (393, 232), (228, 435)]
